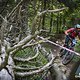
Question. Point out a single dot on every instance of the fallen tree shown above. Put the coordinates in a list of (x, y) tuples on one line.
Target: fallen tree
[(11, 41)]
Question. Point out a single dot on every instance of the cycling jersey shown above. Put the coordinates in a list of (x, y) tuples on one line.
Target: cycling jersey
[(72, 32)]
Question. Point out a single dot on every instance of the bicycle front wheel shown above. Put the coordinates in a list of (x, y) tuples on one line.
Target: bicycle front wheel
[(67, 58)]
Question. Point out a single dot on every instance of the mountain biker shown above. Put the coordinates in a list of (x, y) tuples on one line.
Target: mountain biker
[(71, 34)]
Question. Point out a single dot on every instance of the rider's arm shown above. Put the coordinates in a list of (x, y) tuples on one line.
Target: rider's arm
[(69, 30)]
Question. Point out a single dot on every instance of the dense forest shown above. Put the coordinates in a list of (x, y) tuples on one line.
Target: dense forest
[(31, 36)]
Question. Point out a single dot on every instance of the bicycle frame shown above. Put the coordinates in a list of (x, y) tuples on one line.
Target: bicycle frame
[(67, 56)]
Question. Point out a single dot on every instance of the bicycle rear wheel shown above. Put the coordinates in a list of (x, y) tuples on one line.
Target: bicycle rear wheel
[(67, 58)]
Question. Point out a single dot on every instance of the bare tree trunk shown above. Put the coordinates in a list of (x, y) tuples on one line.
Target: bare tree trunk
[(4, 75), (57, 31), (43, 20), (6, 71), (51, 22)]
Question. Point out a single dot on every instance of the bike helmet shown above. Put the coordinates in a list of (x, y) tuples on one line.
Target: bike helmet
[(77, 26)]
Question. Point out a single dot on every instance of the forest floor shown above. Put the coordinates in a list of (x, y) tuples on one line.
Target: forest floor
[(65, 68), (55, 50)]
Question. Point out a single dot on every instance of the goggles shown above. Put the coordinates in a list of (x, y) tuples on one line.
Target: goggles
[(78, 29)]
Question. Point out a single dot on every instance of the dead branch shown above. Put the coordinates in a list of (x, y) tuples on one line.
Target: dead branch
[(54, 11), (25, 69), (3, 18), (36, 19), (55, 71), (14, 9), (29, 58), (3, 54), (27, 45), (22, 42), (22, 74), (33, 44), (60, 46)]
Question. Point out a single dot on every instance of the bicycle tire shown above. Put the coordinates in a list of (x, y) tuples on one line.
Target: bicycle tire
[(67, 58), (62, 52)]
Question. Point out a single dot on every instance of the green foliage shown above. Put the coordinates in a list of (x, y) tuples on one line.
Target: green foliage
[(77, 49), (76, 58), (72, 4), (38, 62), (28, 52)]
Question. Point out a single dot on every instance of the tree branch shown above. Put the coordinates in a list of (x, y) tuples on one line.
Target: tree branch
[(28, 45), (15, 8), (22, 74), (22, 42), (36, 19), (33, 44), (29, 58), (25, 69), (55, 71)]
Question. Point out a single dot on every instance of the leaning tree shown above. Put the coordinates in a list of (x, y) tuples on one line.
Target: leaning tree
[(17, 36)]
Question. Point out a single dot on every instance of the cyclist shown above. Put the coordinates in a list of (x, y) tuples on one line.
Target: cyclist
[(71, 34)]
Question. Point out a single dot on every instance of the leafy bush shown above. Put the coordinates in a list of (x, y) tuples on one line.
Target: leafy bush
[(77, 49)]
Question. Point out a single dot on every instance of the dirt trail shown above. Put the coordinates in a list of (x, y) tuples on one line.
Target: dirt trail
[(64, 68)]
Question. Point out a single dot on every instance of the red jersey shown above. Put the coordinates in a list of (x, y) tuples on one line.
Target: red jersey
[(72, 32)]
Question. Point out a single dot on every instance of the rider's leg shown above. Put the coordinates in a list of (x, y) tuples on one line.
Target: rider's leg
[(73, 43), (66, 41), (62, 51)]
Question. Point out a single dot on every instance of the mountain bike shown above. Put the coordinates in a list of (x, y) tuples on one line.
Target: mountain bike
[(66, 55)]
